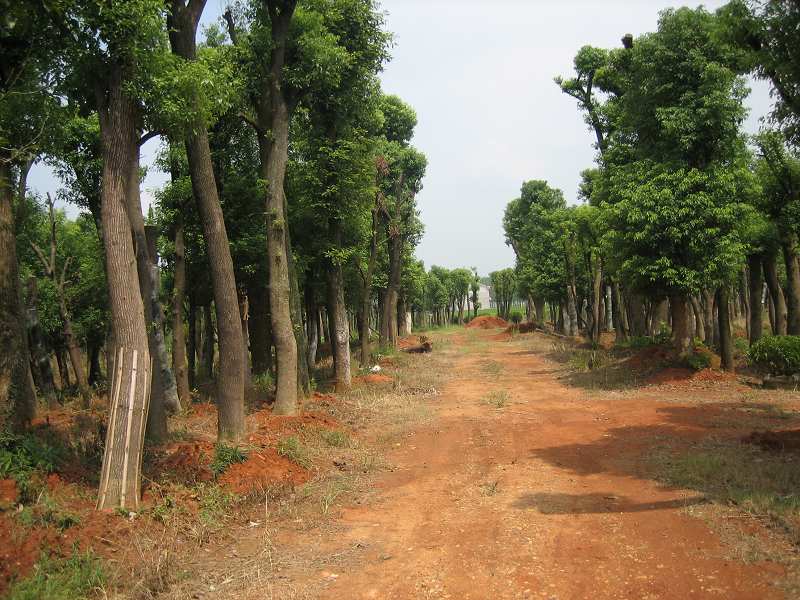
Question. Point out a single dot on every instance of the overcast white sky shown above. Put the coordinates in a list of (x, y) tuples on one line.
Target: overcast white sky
[(480, 75)]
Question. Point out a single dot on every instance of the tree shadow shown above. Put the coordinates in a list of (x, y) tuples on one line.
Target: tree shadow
[(596, 503)]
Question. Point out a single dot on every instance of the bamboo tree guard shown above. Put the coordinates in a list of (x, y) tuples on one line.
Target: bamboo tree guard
[(120, 476)]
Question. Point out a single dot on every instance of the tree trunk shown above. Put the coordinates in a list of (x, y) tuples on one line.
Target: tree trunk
[(244, 313), (770, 264), (130, 383), (179, 362), (340, 332), (17, 393), (208, 343), (63, 371), (756, 287), (789, 247), (74, 351), (260, 328), (699, 321), (39, 355), (157, 411), (638, 315), (681, 337), (660, 316), (597, 281), (191, 363), (95, 372), (230, 378), (312, 323), (725, 340), (388, 332), (618, 307)]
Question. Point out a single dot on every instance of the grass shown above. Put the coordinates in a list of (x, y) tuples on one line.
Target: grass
[(492, 367), (224, 457), (335, 438), (46, 512), (497, 398), (294, 450), (77, 577), (215, 504), (760, 483)]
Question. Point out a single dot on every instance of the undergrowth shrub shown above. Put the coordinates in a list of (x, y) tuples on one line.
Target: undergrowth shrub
[(23, 457), (224, 457), (74, 578), (515, 317), (777, 354), (700, 357)]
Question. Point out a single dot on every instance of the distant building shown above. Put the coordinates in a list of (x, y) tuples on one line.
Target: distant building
[(485, 296)]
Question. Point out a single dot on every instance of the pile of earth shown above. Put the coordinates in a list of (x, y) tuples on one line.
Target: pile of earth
[(487, 322)]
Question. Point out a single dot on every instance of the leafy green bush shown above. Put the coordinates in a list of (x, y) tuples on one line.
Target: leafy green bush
[(699, 358), (23, 456), (225, 456), (516, 317), (73, 578), (777, 354)]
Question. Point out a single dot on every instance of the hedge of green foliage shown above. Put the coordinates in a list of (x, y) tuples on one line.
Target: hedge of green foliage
[(777, 354)]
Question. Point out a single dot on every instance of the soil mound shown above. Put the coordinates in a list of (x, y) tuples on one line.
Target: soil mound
[(8, 493), (775, 441), (487, 322), (262, 470), (187, 463), (272, 428)]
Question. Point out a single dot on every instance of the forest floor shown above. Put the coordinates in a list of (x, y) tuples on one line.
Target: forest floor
[(506, 466)]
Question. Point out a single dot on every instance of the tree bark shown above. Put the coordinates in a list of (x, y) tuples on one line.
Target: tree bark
[(244, 312), (770, 264), (183, 22), (725, 340), (179, 362), (340, 331), (312, 322), (366, 290), (618, 307), (130, 384), (756, 285), (208, 343), (699, 320), (638, 315), (191, 362), (17, 393), (660, 315), (789, 247), (681, 338), (597, 281)]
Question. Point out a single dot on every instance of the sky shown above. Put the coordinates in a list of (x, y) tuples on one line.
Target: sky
[(479, 74)]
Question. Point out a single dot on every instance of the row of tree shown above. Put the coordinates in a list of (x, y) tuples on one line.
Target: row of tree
[(683, 212), (289, 219)]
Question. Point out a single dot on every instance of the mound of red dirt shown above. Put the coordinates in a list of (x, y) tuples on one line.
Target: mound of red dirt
[(407, 342), (775, 441), (487, 322), (262, 470), (271, 428), (187, 462), (670, 376), (650, 357)]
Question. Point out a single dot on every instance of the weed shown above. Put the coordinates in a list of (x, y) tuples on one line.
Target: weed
[(224, 457), (497, 398), (491, 488), (334, 438), (23, 457), (263, 383), (73, 578), (46, 512), (215, 504), (761, 483), (492, 367), (292, 449)]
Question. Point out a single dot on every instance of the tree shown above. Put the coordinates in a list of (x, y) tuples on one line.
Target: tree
[(182, 23), (503, 290)]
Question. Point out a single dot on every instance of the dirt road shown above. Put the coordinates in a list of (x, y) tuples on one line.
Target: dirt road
[(536, 494), (521, 486)]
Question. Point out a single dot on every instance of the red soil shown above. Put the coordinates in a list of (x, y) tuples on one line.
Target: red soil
[(262, 470), (8, 492), (186, 462), (408, 342), (269, 428), (487, 322)]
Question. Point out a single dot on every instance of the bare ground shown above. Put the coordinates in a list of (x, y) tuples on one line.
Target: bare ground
[(520, 485)]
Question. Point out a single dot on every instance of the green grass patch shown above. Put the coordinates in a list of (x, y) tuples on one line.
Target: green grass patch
[(224, 457), (46, 512), (334, 438), (75, 578), (294, 450)]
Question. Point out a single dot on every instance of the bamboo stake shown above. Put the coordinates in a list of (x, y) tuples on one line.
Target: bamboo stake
[(131, 398), (116, 384), (148, 374)]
